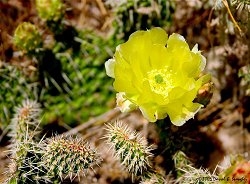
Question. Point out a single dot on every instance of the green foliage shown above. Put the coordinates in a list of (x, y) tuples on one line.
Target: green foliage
[(73, 72), (14, 88), (133, 15), (87, 90), (76, 76), (27, 37)]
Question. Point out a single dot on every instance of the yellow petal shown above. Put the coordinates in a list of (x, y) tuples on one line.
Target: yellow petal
[(203, 59), (155, 35), (158, 57), (177, 41), (179, 52), (123, 75), (147, 95), (192, 67), (138, 49), (176, 93), (123, 84), (148, 111), (180, 114), (158, 36)]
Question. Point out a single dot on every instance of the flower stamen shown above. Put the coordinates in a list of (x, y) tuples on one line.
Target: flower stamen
[(160, 81)]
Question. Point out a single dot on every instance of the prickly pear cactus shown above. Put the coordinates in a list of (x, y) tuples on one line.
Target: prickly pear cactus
[(27, 37)]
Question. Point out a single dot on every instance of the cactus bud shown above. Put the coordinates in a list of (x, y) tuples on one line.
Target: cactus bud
[(205, 94), (27, 37), (50, 10)]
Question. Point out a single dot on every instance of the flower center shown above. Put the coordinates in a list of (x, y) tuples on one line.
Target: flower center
[(160, 81)]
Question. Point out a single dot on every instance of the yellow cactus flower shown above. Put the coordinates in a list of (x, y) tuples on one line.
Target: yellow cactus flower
[(159, 75)]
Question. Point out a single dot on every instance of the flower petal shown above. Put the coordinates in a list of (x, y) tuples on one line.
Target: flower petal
[(180, 114), (177, 41), (148, 111), (203, 59), (179, 51), (158, 36), (137, 50), (109, 66), (123, 75), (123, 103)]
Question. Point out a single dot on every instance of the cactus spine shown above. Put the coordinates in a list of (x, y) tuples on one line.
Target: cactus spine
[(68, 157), (23, 126)]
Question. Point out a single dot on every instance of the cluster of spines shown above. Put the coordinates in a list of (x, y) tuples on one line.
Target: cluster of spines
[(23, 148), (187, 173), (152, 177), (130, 148), (68, 157), (14, 88), (25, 121)]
